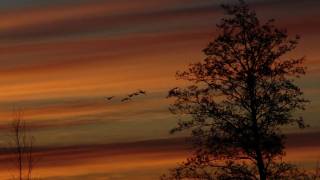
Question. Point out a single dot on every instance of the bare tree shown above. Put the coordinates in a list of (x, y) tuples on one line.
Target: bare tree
[(22, 148), (242, 94)]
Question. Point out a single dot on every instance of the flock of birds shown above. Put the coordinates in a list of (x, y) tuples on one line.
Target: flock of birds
[(129, 96)]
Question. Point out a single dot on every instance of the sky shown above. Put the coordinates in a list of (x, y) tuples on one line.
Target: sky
[(60, 59)]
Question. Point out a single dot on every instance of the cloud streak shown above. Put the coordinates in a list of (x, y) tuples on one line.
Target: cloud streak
[(140, 156)]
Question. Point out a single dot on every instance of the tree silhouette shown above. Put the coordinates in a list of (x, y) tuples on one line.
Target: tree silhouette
[(240, 97), (22, 148)]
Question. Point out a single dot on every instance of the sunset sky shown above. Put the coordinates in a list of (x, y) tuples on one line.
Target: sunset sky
[(59, 59)]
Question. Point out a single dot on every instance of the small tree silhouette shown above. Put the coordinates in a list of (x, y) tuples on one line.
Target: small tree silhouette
[(22, 148), (241, 95)]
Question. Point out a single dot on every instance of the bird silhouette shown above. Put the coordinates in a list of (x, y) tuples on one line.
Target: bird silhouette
[(130, 96), (109, 98), (125, 99), (142, 92)]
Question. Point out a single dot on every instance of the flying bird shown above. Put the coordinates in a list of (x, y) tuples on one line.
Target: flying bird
[(130, 96), (125, 99), (142, 92), (109, 98)]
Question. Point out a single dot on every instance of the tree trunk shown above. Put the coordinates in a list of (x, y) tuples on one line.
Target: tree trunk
[(261, 167), (251, 83), (259, 157)]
